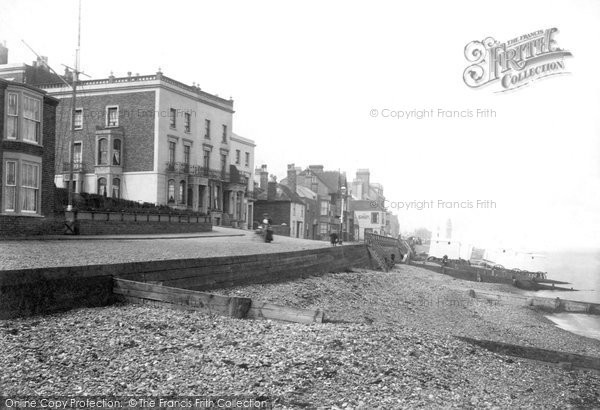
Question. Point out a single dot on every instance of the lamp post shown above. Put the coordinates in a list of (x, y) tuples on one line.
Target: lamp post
[(343, 190)]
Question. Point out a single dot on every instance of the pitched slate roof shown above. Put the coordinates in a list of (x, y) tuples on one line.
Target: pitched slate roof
[(283, 193)]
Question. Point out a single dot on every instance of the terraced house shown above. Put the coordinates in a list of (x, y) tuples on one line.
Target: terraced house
[(146, 138)]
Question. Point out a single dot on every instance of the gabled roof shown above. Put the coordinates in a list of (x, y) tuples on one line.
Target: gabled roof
[(302, 191), (332, 180)]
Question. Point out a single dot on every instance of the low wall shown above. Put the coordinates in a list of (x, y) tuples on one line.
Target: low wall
[(19, 226), (35, 291), (103, 223), (116, 223)]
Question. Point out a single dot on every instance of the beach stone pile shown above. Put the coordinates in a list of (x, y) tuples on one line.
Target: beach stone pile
[(383, 347)]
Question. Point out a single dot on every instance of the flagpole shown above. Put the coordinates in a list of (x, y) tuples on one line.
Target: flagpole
[(73, 108)]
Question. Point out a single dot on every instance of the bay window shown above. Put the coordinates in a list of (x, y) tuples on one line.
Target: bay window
[(31, 119), (116, 154), (102, 151), (30, 187), (12, 126), (21, 180), (171, 191), (102, 186), (10, 190), (116, 188)]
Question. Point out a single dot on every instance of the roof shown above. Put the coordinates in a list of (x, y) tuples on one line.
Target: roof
[(304, 192), (333, 180), (28, 86), (243, 140), (283, 194)]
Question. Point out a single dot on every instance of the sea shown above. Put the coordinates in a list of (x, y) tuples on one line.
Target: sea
[(582, 270)]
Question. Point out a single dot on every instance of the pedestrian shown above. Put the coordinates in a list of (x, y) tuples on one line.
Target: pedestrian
[(268, 230), (333, 237)]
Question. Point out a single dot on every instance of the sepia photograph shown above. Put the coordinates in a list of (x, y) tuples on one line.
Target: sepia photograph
[(299, 205)]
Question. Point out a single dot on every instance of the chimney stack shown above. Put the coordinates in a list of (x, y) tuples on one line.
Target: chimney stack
[(291, 177), (317, 169), (3, 53), (264, 177), (272, 191), (42, 61), (68, 76), (364, 176)]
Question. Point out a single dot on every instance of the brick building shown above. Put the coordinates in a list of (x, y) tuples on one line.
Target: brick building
[(27, 142), (284, 206), (146, 138), (310, 200), (332, 193)]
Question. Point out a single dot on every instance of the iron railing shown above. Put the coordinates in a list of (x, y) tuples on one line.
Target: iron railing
[(77, 167), (195, 170)]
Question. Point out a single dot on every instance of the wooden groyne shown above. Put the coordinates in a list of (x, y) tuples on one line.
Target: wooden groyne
[(522, 280), (536, 353), (553, 305), (232, 306)]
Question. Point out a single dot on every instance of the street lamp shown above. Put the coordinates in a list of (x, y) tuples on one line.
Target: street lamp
[(343, 190)]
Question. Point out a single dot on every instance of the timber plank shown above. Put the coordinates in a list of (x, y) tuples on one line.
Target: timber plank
[(535, 353), (263, 310), (230, 306), (237, 307)]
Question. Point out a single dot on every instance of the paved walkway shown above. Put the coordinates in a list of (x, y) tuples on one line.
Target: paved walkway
[(216, 232), (22, 254)]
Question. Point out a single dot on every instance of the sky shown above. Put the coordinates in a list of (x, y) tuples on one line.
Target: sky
[(306, 76)]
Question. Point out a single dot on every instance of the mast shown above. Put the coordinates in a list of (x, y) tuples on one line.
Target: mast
[(73, 107)]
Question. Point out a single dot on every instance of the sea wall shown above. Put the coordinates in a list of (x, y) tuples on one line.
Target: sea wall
[(36, 291)]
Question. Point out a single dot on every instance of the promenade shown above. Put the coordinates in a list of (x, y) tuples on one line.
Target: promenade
[(65, 251)]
